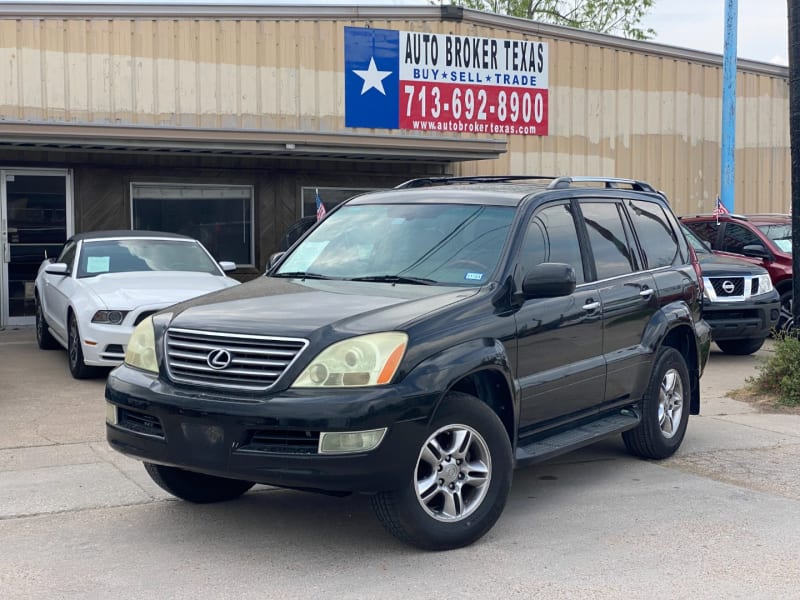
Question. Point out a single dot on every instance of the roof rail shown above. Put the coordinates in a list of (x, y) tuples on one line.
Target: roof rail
[(608, 182), (711, 214), (430, 181)]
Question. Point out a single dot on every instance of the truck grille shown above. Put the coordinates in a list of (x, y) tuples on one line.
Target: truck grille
[(229, 360), (734, 285)]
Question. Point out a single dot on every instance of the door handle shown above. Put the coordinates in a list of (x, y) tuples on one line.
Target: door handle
[(590, 306), (647, 292)]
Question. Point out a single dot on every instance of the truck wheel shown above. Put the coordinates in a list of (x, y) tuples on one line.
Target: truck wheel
[(786, 318), (740, 347), (196, 487), (665, 408), (460, 481), (44, 339)]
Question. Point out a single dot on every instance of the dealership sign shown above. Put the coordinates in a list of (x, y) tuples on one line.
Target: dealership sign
[(444, 82)]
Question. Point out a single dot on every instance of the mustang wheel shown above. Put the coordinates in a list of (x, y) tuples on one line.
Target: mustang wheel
[(78, 368), (196, 487), (460, 481), (665, 408), (44, 338)]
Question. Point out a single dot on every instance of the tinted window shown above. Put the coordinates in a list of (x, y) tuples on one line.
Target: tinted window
[(705, 230), (610, 244), (657, 239), (551, 237), (735, 238), (68, 255)]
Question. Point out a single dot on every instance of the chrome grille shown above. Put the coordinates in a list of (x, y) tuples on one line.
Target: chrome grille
[(248, 362), (735, 286)]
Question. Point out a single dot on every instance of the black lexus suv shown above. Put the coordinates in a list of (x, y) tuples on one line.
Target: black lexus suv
[(418, 344)]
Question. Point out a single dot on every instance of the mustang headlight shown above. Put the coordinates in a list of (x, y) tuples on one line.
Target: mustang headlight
[(365, 360), (109, 317), (141, 350), (764, 284)]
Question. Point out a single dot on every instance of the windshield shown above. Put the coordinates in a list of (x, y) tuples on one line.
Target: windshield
[(123, 256), (780, 233), (450, 244), (697, 244)]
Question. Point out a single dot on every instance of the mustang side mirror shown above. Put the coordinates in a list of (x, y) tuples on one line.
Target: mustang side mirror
[(57, 269), (273, 258), (227, 265)]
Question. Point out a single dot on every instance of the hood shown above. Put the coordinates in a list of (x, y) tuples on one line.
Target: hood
[(293, 307), (714, 265), (127, 291)]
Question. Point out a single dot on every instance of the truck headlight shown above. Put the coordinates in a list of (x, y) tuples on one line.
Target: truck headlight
[(141, 350), (764, 283), (360, 361)]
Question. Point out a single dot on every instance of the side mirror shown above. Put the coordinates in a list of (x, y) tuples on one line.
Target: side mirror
[(756, 251), (227, 265), (57, 269), (274, 258), (549, 280)]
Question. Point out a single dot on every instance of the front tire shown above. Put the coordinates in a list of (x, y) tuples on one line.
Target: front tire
[(77, 367), (44, 339), (665, 408), (196, 487), (786, 318), (460, 481), (740, 347)]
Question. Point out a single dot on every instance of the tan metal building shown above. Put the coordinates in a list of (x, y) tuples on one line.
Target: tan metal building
[(225, 121)]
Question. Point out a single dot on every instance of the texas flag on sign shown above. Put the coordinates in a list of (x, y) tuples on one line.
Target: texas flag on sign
[(371, 79)]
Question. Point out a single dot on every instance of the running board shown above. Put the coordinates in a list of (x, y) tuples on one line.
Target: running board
[(569, 440)]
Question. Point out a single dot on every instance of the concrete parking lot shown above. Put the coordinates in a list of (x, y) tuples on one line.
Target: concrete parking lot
[(721, 519)]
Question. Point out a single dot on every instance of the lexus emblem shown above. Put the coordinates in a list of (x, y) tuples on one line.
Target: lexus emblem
[(219, 358), (728, 287)]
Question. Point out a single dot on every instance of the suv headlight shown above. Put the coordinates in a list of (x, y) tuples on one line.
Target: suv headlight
[(360, 361), (764, 283), (141, 350)]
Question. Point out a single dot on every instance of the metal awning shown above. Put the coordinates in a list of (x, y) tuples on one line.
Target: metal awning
[(238, 142)]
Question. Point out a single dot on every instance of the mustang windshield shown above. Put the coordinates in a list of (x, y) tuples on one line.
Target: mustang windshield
[(422, 244), (123, 256)]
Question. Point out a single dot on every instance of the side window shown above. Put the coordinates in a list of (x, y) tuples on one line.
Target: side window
[(68, 255), (607, 236), (705, 230), (551, 237), (657, 238), (735, 238)]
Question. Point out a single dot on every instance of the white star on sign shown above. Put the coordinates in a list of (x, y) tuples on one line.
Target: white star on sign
[(372, 78)]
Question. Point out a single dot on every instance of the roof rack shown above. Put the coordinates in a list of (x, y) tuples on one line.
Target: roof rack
[(608, 182), (711, 214), (430, 181)]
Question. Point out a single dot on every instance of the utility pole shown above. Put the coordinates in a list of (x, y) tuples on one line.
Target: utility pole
[(728, 158), (794, 137)]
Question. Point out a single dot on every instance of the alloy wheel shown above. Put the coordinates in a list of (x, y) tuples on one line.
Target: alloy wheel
[(670, 403)]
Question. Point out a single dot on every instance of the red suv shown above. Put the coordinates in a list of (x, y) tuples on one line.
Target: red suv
[(763, 239)]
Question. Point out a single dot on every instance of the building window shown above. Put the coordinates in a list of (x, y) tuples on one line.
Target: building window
[(220, 216), (330, 197)]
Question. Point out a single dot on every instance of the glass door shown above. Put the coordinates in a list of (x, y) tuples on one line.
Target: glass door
[(35, 221)]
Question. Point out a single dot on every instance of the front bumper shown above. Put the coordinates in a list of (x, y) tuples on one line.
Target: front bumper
[(270, 439), (752, 319)]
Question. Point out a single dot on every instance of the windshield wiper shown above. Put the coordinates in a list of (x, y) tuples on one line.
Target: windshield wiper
[(395, 279), (303, 275)]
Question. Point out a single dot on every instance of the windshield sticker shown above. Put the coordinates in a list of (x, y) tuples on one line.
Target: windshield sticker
[(98, 264), (784, 245), (473, 276), (303, 256)]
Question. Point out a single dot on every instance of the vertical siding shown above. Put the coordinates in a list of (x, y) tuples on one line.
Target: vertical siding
[(612, 111)]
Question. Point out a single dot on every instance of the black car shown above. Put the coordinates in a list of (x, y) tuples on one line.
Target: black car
[(420, 343), (740, 303)]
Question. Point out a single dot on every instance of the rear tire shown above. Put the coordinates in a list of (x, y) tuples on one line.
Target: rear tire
[(196, 487), (740, 347), (460, 481), (786, 318), (77, 367), (44, 339), (665, 408)]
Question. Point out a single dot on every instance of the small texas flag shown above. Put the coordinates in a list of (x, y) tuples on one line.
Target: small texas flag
[(371, 78)]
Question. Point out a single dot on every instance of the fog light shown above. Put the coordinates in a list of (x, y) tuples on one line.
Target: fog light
[(344, 442), (111, 414)]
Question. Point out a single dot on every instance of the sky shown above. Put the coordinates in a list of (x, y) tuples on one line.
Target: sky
[(695, 24)]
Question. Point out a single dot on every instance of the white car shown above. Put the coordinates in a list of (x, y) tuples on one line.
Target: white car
[(103, 283)]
